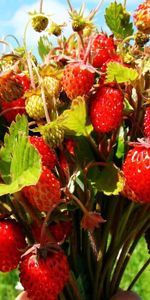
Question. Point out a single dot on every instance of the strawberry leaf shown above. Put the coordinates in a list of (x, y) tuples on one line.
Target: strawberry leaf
[(44, 46), (119, 73), (118, 20), (20, 163), (74, 119), (109, 182)]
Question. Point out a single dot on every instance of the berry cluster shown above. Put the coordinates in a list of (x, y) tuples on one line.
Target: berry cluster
[(87, 142)]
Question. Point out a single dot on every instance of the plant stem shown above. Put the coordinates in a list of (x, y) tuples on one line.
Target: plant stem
[(42, 93), (25, 36), (146, 264), (75, 289), (103, 246), (123, 225), (80, 204), (94, 146), (45, 230), (41, 6), (30, 70), (95, 10), (12, 36), (131, 250), (19, 197), (123, 253), (125, 3), (112, 254), (45, 105)]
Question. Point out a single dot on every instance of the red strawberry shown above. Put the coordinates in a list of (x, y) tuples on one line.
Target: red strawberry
[(106, 109), (24, 80), (45, 193), (136, 170), (12, 242), (147, 122), (70, 145), (102, 49), (47, 154), (77, 80), (60, 231), (44, 278), (13, 108), (142, 17)]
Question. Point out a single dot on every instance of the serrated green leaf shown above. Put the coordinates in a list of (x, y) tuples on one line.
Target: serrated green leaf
[(74, 120), (20, 163), (109, 181), (21, 125), (118, 20), (44, 46), (119, 73)]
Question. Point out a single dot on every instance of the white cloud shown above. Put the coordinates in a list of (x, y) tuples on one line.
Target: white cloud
[(21, 17), (58, 9)]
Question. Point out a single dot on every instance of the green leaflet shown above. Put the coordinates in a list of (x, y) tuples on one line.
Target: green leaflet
[(109, 182), (119, 73), (20, 163), (118, 20), (74, 119), (44, 46)]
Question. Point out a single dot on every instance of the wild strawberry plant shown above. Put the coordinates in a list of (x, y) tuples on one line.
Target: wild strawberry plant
[(75, 154)]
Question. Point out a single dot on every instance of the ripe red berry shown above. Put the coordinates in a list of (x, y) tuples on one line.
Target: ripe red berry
[(47, 154), (77, 80), (44, 278), (136, 170), (24, 80), (12, 243), (147, 122), (13, 108), (45, 193), (142, 17), (102, 49), (60, 231), (106, 109)]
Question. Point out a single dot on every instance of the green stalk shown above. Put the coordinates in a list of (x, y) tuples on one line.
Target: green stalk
[(103, 247), (89, 262), (146, 264), (62, 297), (112, 254), (74, 287), (41, 6), (131, 250), (12, 36), (123, 225), (119, 265)]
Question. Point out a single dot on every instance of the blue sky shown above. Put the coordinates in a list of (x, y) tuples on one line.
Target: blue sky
[(14, 15)]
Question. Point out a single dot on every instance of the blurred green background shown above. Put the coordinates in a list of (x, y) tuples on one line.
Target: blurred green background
[(8, 281)]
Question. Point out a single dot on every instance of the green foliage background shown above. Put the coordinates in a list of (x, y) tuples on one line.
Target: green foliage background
[(8, 281)]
